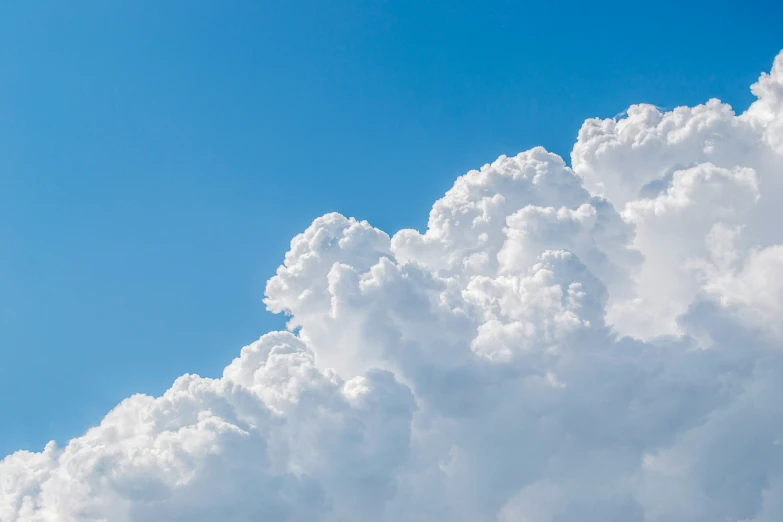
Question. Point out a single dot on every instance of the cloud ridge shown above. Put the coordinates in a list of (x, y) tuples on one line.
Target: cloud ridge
[(600, 342)]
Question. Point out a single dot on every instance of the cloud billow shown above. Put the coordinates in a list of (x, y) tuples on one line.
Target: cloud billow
[(601, 342)]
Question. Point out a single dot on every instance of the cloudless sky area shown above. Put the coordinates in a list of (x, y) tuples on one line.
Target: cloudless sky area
[(157, 157)]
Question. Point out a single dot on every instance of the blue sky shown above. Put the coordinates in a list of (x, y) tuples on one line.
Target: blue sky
[(155, 160)]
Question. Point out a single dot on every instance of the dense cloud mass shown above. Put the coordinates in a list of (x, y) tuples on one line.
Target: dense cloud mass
[(601, 342)]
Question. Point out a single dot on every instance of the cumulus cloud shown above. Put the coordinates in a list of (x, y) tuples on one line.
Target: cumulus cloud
[(600, 342)]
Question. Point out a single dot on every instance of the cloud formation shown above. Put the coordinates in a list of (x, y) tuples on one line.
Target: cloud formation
[(601, 342)]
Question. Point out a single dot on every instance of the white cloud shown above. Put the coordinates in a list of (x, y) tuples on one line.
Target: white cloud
[(601, 343)]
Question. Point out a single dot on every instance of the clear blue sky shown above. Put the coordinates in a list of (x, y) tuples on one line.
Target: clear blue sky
[(157, 157)]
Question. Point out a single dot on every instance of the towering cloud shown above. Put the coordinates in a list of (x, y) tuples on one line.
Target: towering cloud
[(601, 342)]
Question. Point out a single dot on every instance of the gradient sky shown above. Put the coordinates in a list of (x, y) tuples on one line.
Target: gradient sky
[(155, 160)]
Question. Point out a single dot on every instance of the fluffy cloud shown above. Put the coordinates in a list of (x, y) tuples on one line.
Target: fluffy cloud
[(601, 342)]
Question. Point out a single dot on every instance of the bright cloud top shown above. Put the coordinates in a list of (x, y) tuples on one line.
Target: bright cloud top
[(596, 343)]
